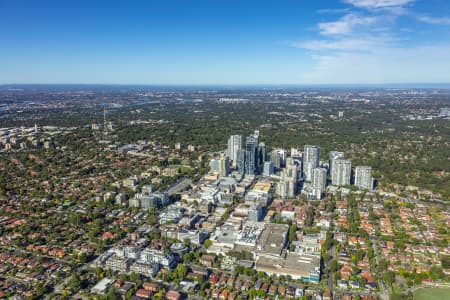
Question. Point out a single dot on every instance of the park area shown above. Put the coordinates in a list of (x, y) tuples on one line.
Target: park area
[(432, 294)]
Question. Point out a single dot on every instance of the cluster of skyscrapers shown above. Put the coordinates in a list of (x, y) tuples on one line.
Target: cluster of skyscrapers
[(301, 170), (249, 160)]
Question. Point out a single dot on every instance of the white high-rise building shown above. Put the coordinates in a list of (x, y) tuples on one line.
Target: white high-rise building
[(295, 152), (342, 171), (319, 182), (290, 162), (287, 186), (363, 177), (333, 156), (290, 172), (220, 165), (214, 165), (311, 160), (234, 144), (268, 168)]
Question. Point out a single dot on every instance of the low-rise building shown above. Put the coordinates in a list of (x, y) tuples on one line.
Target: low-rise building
[(102, 286)]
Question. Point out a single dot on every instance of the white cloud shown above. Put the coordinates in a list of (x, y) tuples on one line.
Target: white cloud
[(333, 10), (376, 4), (383, 65), (346, 24), (338, 27), (367, 47), (434, 21), (336, 45)]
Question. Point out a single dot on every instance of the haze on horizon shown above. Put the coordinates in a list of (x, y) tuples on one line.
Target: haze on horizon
[(212, 42)]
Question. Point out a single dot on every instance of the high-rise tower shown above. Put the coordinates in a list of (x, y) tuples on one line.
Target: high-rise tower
[(341, 172), (363, 177), (311, 159), (319, 181), (234, 144), (333, 156), (251, 154)]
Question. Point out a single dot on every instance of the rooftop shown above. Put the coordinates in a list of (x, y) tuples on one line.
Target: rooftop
[(272, 239), (293, 264)]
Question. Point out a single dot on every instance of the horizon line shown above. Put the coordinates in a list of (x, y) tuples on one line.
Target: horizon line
[(409, 84)]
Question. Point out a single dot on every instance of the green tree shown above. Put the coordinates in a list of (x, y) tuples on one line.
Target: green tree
[(292, 231), (113, 294), (75, 282), (445, 261), (82, 257), (40, 288), (181, 271), (389, 277), (207, 243), (334, 266)]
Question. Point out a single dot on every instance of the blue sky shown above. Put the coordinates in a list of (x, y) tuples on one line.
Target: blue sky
[(225, 42)]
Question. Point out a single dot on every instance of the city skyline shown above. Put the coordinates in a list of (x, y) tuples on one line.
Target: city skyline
[(133, 193), (325, 42)]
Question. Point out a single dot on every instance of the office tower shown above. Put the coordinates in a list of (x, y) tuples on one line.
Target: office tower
[(240, 163), (220, 165), (289, 162), (311, 159), (283, 156), (251, 155), (363, 177), (319, 181), (296, 153), (291, 172), (262, 154), (214, 164), (275, 159), (268, 168), (234, 144), (278, 157), (333, 156), (297, 163), (249, 163), (342, 171), (224, 166)]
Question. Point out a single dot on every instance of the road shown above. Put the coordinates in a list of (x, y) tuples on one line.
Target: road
[(384, 294), (331, 253), (178, 186)]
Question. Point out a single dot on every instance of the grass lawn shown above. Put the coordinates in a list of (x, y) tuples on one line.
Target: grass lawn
[(432, 294)]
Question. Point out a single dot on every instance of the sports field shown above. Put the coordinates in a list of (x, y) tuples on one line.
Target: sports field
[(432, 294)]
